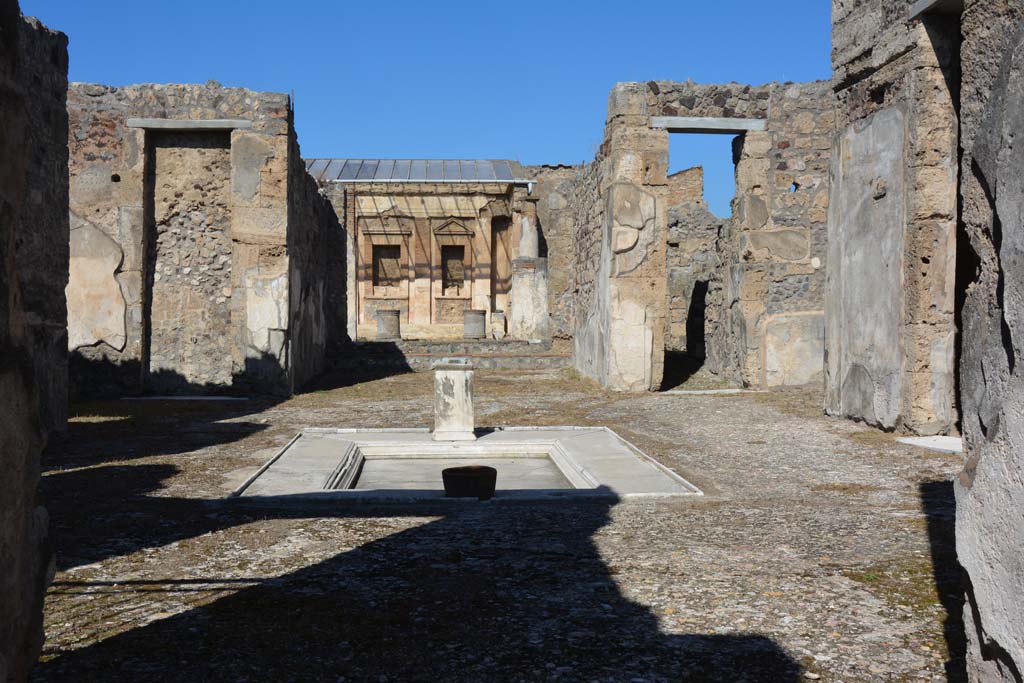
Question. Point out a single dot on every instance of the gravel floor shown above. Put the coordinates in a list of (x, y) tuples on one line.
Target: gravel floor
[(822, 550)]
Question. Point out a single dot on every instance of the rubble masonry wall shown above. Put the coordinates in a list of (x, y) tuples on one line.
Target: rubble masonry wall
[(211, 212), (33, 355)]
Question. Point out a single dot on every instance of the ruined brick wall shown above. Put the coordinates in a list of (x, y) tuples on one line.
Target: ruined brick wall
[(775, 246), (33, 272), (892, 229), (179, 243), (990, 491), (587, 204), (316, 247), (686, 186), (695, 283), (554, 189)]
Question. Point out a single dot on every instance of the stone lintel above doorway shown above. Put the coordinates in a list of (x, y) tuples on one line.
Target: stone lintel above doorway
[(707, 124), (189, 124)]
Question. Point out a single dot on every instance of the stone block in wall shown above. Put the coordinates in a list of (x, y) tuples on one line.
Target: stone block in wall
[(627, 104), (788, 244), (529, 299), (259, 225), (631, 333), (794, 348), (639, 155)]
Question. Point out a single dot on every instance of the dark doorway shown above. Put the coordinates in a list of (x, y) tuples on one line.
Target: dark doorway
[(695, 347), (501, 262)]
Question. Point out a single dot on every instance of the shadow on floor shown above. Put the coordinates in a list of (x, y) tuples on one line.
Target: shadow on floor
[(938, 503), (360, 363), (679, 368), (122, 430), (485, 593)]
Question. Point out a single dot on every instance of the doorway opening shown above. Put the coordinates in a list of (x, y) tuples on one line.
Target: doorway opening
[(700, 194)]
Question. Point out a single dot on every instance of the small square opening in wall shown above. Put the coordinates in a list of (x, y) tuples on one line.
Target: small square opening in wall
[(453, 269), (387, 265)]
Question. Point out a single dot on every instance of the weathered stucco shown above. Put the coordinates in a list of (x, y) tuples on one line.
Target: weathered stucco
[(990, 492), (33, 273), (865, 359), (212, 227), (912, 265), (885, 61)]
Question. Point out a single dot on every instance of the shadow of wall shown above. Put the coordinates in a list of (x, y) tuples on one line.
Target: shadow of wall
[(486, 592)]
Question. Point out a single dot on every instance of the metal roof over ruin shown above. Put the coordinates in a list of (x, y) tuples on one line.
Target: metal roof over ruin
[(414, 170)]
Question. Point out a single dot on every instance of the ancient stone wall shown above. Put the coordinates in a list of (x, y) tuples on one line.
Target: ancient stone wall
[(587, 204), (554, 190), (42, 260), (773, 251), (990, 491), (33, 273), (419, 220), (776, 244), (180, 241), (686, 186), (892, 229), (317, 283)]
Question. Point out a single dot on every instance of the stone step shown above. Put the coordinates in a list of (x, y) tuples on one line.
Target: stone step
[(484, 354)]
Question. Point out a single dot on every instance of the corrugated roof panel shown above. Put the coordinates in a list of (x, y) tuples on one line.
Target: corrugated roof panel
[(384, 170), (368, 169), (350, 170), (452, 170), (486, 169), (402, 167), (316, 169), (333, 169), (415, 170)]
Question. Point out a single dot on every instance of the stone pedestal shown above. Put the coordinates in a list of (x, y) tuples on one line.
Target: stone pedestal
[(474, 324), (529, 319), (389, 325), (453, 400)]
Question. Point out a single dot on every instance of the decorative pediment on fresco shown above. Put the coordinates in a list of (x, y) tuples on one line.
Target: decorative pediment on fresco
[(452, 228), (376, 225)]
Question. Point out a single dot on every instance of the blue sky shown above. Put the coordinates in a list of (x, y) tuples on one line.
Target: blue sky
[(451, 79)]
